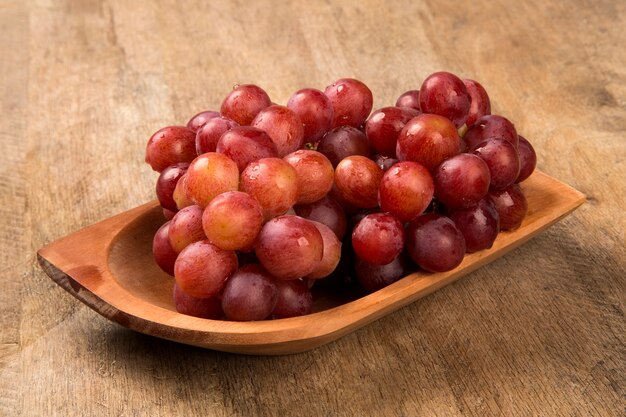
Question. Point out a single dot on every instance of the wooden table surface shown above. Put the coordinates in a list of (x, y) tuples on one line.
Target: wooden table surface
[(84, 83)]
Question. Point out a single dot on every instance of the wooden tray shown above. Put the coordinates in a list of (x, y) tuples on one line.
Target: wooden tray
[(109, 267)]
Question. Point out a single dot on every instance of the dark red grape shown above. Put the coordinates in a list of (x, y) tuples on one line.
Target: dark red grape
[(283, 126), (502, 159), (196, 122), (479, 224), (511, 205), (384, 162), (378, 238), (315, 174), (434, 243), (169, 146), (445, 94), (357, 179), (351, 100), (294, 299), (461, 181), (205, 308), (168, 214), (186, 228), (528, 159), (480, 104), (164, 254), (384, 126), (244, 103), (250, 294), (245, 144), (326, 211), (410, 99), (331, 254), (374, 277), (406, 190), (342, 142), (490, 127), (428, 139), (167, 183), (211, 132), (315, 111)]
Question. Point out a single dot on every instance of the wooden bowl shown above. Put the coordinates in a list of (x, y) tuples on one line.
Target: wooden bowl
[(109, 267)]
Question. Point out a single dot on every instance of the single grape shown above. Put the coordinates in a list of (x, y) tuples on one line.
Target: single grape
[(378, 238), (434, 243), (211, 132), (315, 112), (357, 179), (205, 308), (327, 211), (489, 127), (244, 103), (315, 174), (528, 159), (181, 195), (196, 122), (245, 144), (410, 99), (169, 146), (511, 205), (502, 159), (164, 254), (331, 253), (445, 94), (384, 126), (209, 175), (167, 183), (283, 126), (480, 104), (479, 225), (289, 247), (406, 190), (186, 228), (273, 182), (232, 221), (342, 142), (351, 100), (201, 269), (462, 181), (373, 277), (250, 294), (294, 299), (428, 139)]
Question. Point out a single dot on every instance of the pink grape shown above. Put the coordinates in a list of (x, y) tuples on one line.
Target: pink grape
[(209, 175), (384, 126), (210, 133), (502, 159), (331, 253), (167, 183), (205, 308), (245, 144), (186, 228), (181, 195), (378, 238), (351, 100), (314, 172), (445, 94), (528, 159), (164, 254), (244, 103), (480, 104), (283, 126), (294, 299), (409, 99), (169, 146), (511, 205), (406, 190), (196, 122), (315, 112), (435, 243), (462, 181), (357, 179), (250, 294), (327, 211)]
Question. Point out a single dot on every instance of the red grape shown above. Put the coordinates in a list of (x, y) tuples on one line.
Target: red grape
[(169, 146), (289, 247), (196, 122), (374, 277), (326, 211), (244, 103), (211, 174), (315, 174), (232, 221), (351, 100), (315, 111), (480, 104), (205, 308), (211, 132), (528, 159), (168, 214), (434, 243), (511, 205), (462, 181), (273, 182), (167, 183), (489, 127), (406, 190), (445, 94), (250, 294), (283, 126), (410, 99), (294, 299), (164, 254), (428, 139), (201, 269), (357, 179), (502, 159), (186, 228), (181, 195), (342, 142), (384, 126), (245, 144), (331, 254), (378, 238), (479, 224)]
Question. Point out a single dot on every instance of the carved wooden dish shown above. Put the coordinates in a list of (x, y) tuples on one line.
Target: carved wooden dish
[(109, 267)]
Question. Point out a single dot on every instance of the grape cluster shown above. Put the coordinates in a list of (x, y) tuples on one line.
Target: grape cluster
[(263, 200)]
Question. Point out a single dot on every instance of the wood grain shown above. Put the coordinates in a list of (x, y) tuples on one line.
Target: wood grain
[(539, 332)]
